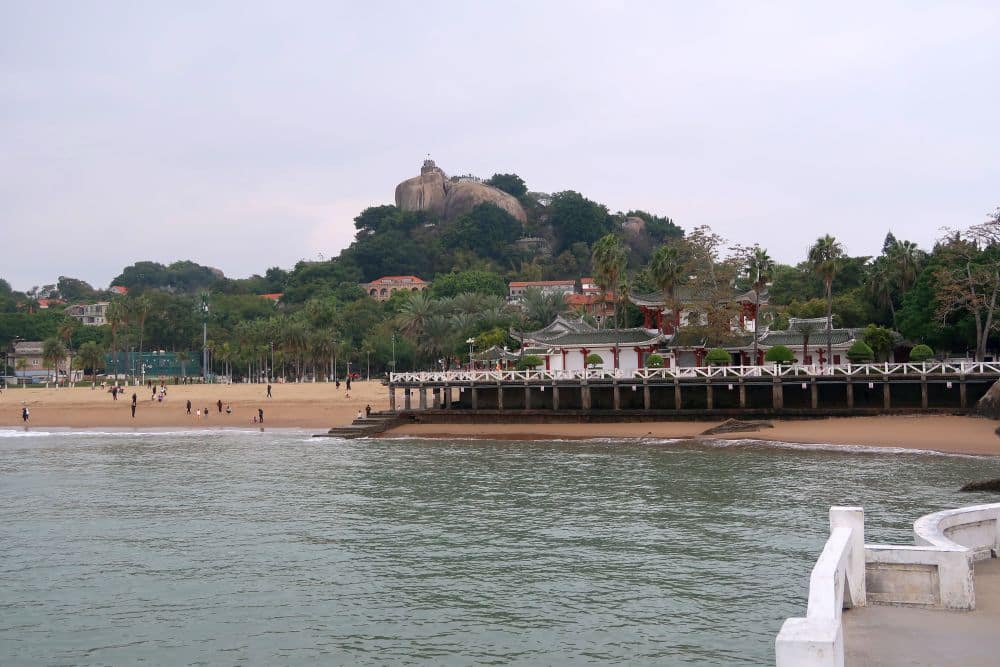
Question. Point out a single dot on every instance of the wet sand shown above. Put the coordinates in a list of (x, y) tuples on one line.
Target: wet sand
[(308, 405), (943, 433)]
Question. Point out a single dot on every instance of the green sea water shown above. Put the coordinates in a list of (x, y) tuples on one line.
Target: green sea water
[(233, 548)]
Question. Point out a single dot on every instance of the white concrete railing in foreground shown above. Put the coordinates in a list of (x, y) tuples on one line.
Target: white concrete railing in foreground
[(681, 372), (837, 581), (936, 573)]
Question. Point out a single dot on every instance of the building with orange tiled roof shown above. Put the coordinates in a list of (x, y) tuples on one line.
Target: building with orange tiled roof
[(383, 288)]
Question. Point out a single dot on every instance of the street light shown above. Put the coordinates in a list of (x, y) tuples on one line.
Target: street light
[(270, 371), (472, 343), (334, 359), (393, 351), (204, 338), (368, 365)]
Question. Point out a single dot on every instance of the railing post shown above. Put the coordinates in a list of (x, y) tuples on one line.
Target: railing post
[(963, 401), (777, 394), (886, 395), (499, 396), (743, 394), (850, 393), (853, 518), (406, 398), (813, 394), (923, 392), (474, 397), (422, 391), (616, 396), (527, 395)]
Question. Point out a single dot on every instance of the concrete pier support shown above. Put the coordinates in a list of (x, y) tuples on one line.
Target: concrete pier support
[(850, 395), (446, 401), (886, 399), (813, 394), (646, 402), (474, 397), (392, 399), (616, 397), (923, 391), (500, 397), (585, 396), (743, 394), (422, 393), (555, 397), (777, 395), (963, 401), (709, 402), (406, 399), (527, 397), (677, 395)]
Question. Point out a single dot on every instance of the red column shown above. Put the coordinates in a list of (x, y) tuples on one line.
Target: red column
[(647, 321), (547, 359), (614, 352), (564, 358)]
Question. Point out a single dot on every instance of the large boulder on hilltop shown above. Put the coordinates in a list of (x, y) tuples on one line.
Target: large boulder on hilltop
[(431, 191), (464, 196), (425, 192)]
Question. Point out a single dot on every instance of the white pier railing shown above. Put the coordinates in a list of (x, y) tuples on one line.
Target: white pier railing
[(693, 372)]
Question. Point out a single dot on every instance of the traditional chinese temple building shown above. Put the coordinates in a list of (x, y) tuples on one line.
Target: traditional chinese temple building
[(565, 344)]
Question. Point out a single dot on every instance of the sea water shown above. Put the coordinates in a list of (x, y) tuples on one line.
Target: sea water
[(228, 547)]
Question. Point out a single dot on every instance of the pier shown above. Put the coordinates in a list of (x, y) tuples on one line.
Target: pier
[(692, 392), (936, 602)]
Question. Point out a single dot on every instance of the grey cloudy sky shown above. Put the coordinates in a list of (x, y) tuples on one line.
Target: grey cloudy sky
[(245, 135)]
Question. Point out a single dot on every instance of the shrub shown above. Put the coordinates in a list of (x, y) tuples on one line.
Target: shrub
[(921, 353), (529, 361), (780, 354), (654, 361), (594, 360), (718, 357), (860, 353)]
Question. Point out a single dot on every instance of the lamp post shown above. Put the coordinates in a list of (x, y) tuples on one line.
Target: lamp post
[(204, 338), (472, 343), (334, 359), (368, 365), (393, 351), (270, 370)]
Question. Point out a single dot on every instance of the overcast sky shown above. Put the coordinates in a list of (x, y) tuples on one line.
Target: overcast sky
[(245, 135)]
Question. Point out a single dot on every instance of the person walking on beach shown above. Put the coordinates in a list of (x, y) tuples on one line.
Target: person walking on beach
[(114, 393), (368, 410), (189, 406), (25, 414), (218, 404), (269, 391), (260, 415), (135, 399), (133, 409), (348, 383)]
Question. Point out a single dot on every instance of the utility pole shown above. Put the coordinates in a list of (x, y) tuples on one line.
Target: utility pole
[(393, 351)]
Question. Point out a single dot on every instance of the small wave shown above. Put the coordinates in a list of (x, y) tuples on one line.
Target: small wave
[(831, 447)]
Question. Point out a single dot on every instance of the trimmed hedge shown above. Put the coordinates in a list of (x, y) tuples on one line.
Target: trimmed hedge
[(654, 361), (594, 359), (718, 357), (780, 354), (921, 353), (860, 353)]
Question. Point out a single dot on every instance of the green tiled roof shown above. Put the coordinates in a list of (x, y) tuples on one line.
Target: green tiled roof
[(795, 338), (695, 338), (605, 337)]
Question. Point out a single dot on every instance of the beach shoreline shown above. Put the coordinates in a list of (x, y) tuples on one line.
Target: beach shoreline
[(320, 406)]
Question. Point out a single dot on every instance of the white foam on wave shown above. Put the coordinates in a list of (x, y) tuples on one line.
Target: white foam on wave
[(126, 433), (831, 447)]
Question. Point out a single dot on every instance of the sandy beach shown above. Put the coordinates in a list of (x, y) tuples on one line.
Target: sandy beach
[(321, 406), (308, 405), (943, 433)]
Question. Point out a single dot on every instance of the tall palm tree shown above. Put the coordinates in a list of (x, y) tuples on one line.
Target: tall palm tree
[(825, 257), (468, 303), (183, 357), (761, 271), (140, 307), (906, 260), (881, 284), (609, 260), (117, 317), (438, 336), (540, 308), (666, 270), (53, 352), (415, 312)]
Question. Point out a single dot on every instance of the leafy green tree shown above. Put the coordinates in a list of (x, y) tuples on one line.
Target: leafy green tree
[(860, 353), (660, 229), (921, 353), (654, 361), (540, 308), (462, 282), (509, 183), (718, 357), (487, 230), (825, 257), (779, 354), (594, 360), (529, 361), (880, 340), (90, 355), (72, 289), (574, 218)]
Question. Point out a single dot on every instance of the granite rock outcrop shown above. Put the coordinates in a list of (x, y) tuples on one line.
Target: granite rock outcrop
[(434, 192)]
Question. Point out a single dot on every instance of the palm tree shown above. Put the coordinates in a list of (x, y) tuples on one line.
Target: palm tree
[(881, 284), (53, 352), (761, 270), (415, 312), (540, 307), (667, 269), (609, 260), (825, 257), (468, 303), (91, 356), (439, 337), (183, 357), (21, 365), (906, 260), (117, 317), (140, 311)]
